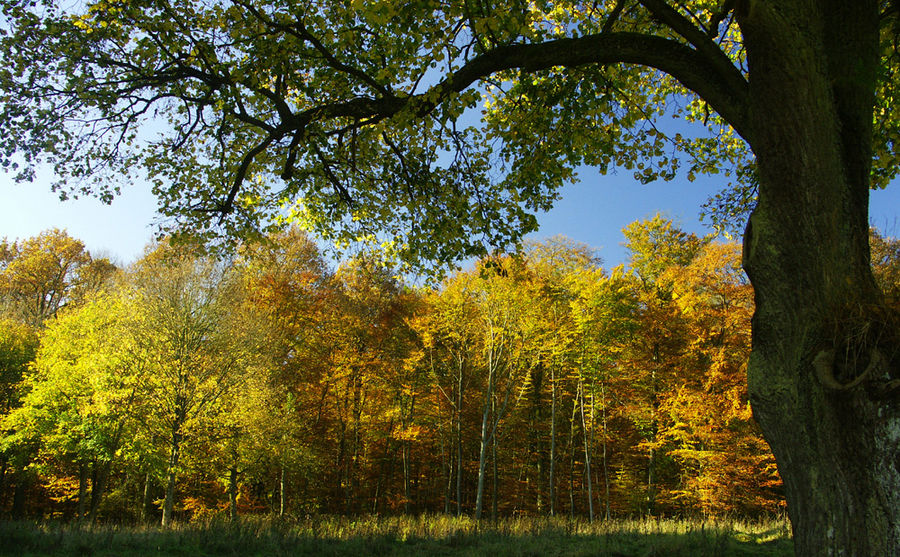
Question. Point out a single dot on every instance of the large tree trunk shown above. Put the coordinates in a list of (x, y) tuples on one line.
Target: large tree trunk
[(98, 487), (823, 346)]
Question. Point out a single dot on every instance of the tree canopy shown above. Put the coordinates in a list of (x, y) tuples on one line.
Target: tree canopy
[(41, 275), (359, 119)]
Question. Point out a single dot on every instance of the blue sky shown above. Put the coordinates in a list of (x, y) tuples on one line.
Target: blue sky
[(119, 231), (593, 211)]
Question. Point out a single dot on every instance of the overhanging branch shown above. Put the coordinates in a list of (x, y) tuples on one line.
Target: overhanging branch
[(710, 76), (725, 91)]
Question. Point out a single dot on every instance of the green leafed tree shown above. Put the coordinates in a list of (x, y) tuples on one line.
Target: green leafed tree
[(348, 114), (78, 407), (18, 344), (186, 331), (604, 312), (555, 269), (656, 244), (450, 337)]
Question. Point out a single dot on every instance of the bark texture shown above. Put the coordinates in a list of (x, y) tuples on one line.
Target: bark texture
[(835, 436)]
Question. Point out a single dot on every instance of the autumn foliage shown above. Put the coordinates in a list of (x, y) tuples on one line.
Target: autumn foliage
[(537, 384)]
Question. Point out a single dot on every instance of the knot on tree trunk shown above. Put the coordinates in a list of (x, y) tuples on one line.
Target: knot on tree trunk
[(824, 365), (864, 349)]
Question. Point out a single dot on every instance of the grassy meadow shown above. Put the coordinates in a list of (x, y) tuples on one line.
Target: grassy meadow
[(404, 535)]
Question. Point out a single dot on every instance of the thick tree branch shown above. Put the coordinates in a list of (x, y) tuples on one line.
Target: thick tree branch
[(700, 40), (299, 30), (727, 94), (725, 89), (722, 87)]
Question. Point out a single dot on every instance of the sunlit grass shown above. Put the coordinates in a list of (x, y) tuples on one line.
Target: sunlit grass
[(405, 535)]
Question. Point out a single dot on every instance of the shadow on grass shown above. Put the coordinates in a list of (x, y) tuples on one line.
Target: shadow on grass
[(402, 536)]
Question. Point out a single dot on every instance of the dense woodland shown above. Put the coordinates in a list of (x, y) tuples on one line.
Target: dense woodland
[(538, 383)]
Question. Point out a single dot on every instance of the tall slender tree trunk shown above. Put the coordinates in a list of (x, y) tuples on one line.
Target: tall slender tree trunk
[(407, 465), (172, 473), (586, 434), (824, 367), (145, 499), (407, 491), (459, 400), (82, 489), (536, 441), (483, 446), (354, 483), (495, 496), (340, 496), (4, 466), (233, 493), (282, 493), (446, 460), (406, 479), (386, 469), (552, 479), (654, 428), (605, 457), (94, 501), (572, 457)]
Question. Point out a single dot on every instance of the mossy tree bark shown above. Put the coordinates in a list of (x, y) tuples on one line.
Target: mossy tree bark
[(821, 371)]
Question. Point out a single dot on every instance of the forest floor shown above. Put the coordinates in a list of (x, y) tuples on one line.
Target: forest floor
[(404, 536)]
